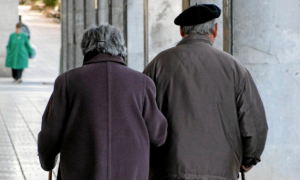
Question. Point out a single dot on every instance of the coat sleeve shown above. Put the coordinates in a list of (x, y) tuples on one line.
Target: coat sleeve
[(150, 69), (8, 45), (252, 120), (28, 46), (53, 123), (155, 120)]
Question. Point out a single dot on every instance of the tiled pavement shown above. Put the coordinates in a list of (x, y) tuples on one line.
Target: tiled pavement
[(20, 122), (22, 105)]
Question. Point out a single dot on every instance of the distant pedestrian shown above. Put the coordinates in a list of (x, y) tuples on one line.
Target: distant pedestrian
[(217, 122), (18, 52), (101, 117)]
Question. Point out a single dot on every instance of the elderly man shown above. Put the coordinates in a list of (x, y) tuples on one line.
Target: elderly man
[(216, 117), (101, 117)]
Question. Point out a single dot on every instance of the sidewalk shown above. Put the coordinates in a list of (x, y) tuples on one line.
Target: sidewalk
[(20, 122), (22, 105), (45, 37)]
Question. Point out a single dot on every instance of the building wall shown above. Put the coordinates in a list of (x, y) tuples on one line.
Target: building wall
[(147, 26), (163, 33), (266, 39), (126, 15), (135, 34), (8, 20)]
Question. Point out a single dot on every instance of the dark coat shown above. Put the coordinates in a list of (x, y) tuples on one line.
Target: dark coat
[(215, 114), (101, 118)]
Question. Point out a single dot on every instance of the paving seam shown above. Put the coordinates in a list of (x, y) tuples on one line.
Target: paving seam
[(29, 127), (25, 121), (35, 105), (12, 144)]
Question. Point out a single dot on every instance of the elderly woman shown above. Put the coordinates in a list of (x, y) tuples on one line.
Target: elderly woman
[(18, 52), (101, 117)]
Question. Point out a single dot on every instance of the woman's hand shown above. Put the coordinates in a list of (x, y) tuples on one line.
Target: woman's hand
[(246, 169)]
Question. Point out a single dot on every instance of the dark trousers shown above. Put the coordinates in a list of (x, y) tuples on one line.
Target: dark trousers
[(17, 73)]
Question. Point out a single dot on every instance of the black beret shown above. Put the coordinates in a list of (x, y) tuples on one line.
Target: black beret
[(198, 14)]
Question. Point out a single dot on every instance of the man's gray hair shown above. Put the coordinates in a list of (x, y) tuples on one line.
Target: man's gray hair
[(203, 29), (104, 39)]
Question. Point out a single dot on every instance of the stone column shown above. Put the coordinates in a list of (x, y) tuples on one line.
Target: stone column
[(162, 32), (147, 26), (118, 19), (135, 34), (64, 38), (77, 15), (70, 35), (227, 26), (89, 13), (146, 32), (8, 20), (219, 40), (79, 23), (103, 12), (266, 39), (185, 4)]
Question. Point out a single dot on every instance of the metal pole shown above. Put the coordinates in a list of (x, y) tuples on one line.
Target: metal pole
[(243, 173)]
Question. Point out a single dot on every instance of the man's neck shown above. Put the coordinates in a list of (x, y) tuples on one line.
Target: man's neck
[(210, 36)]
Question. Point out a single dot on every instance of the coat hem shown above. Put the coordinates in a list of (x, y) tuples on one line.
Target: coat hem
[(192, 177)]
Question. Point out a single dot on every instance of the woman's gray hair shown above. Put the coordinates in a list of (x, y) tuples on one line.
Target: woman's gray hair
[(104, 39), (203, 29)]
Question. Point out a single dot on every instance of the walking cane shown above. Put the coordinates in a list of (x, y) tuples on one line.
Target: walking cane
[(50, 175), (243, 174)]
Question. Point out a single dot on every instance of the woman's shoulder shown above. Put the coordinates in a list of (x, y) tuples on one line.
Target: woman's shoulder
[(24, 35), (13, 34)]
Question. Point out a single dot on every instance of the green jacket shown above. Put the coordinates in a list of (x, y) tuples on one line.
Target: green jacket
[(18, 51)]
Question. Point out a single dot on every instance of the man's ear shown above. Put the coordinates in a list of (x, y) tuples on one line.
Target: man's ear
[(215, 30), (181, 32)]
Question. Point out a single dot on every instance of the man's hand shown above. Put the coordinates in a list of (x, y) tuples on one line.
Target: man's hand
[(246, 169)]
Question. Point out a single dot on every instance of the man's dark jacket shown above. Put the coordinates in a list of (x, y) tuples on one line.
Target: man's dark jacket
[(101, 118), (215, 115)]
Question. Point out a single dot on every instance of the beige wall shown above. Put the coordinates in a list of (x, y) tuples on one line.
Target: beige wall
[(162, 32), (266, 39)]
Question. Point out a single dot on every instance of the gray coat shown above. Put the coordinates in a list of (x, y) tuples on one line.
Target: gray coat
[(101, 118), (215, 114)]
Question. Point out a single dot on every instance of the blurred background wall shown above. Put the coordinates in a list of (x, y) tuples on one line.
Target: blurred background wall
[(147, 25), (8, 20), (266, 39)]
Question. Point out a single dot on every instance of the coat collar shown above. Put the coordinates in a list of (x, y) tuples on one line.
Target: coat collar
[(195, 38), (101, 57)]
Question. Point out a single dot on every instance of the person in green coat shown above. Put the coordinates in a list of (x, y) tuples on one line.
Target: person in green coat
[(18, 52)]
